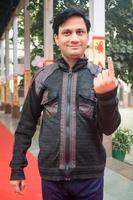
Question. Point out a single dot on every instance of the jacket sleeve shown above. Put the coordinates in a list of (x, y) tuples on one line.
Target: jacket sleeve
[(108, 116), (26, 128)]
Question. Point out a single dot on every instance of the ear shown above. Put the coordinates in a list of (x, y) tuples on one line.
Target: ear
[(56, 39)]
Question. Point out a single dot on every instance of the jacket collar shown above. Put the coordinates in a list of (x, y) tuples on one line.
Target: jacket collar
[(82, 62)]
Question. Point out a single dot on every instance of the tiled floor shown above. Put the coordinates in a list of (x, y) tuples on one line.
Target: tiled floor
[(117, 187)]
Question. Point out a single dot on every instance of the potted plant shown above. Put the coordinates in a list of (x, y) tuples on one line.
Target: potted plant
[(121, 143)]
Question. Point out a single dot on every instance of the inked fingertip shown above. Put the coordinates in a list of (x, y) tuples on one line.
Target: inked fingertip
[(109, 58)]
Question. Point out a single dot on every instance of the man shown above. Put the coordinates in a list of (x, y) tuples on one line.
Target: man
[(79, 105)]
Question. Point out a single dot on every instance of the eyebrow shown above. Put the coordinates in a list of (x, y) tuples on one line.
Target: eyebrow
[(78, 29)]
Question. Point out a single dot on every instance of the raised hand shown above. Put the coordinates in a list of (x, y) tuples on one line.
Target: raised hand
[(106, 80)]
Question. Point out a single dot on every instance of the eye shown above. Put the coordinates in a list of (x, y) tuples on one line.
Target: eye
[(66, 33), (80, 32)]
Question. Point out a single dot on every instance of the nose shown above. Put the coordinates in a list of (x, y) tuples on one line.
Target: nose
[(74, 37)]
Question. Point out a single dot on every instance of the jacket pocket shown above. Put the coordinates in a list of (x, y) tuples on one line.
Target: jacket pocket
[(87, 103), (50, 102)]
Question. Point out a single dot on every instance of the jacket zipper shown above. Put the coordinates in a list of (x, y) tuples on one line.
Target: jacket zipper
[(67, 146)]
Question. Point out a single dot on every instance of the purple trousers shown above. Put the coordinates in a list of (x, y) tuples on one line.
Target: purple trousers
[(89, 189)]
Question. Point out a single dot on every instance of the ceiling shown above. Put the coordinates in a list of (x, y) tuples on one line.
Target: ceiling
[(7, 8)]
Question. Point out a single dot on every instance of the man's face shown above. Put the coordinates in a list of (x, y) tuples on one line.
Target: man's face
[(72, 38)]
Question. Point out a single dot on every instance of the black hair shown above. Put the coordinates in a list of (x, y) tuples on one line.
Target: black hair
[(65, 14)]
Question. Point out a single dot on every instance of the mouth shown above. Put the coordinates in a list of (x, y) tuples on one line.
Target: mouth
[(74, 47)]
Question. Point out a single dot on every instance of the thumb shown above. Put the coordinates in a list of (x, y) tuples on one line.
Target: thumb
[(18, 185), (22, 185)]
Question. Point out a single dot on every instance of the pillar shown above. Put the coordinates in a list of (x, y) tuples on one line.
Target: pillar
[(15, 108), (48, 32), (97, 18), (97, 47), (27, 75), (2, 87), (7, 88)]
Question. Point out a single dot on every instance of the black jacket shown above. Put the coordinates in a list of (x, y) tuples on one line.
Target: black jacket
[(73, 122)]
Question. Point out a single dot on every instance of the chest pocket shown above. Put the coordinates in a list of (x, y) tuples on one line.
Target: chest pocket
[(50, 102), (87, 103)]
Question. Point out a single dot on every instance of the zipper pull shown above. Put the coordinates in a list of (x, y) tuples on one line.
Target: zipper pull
[(70, 74)]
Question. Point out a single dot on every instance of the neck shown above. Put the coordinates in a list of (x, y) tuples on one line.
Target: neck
[(71, 62)]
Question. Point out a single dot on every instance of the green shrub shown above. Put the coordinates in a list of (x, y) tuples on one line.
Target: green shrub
[(122, 140)]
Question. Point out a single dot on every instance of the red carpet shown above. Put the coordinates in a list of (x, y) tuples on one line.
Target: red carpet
[(33, 187)]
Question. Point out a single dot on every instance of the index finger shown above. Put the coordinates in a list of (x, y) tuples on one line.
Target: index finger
[(110, 66)]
